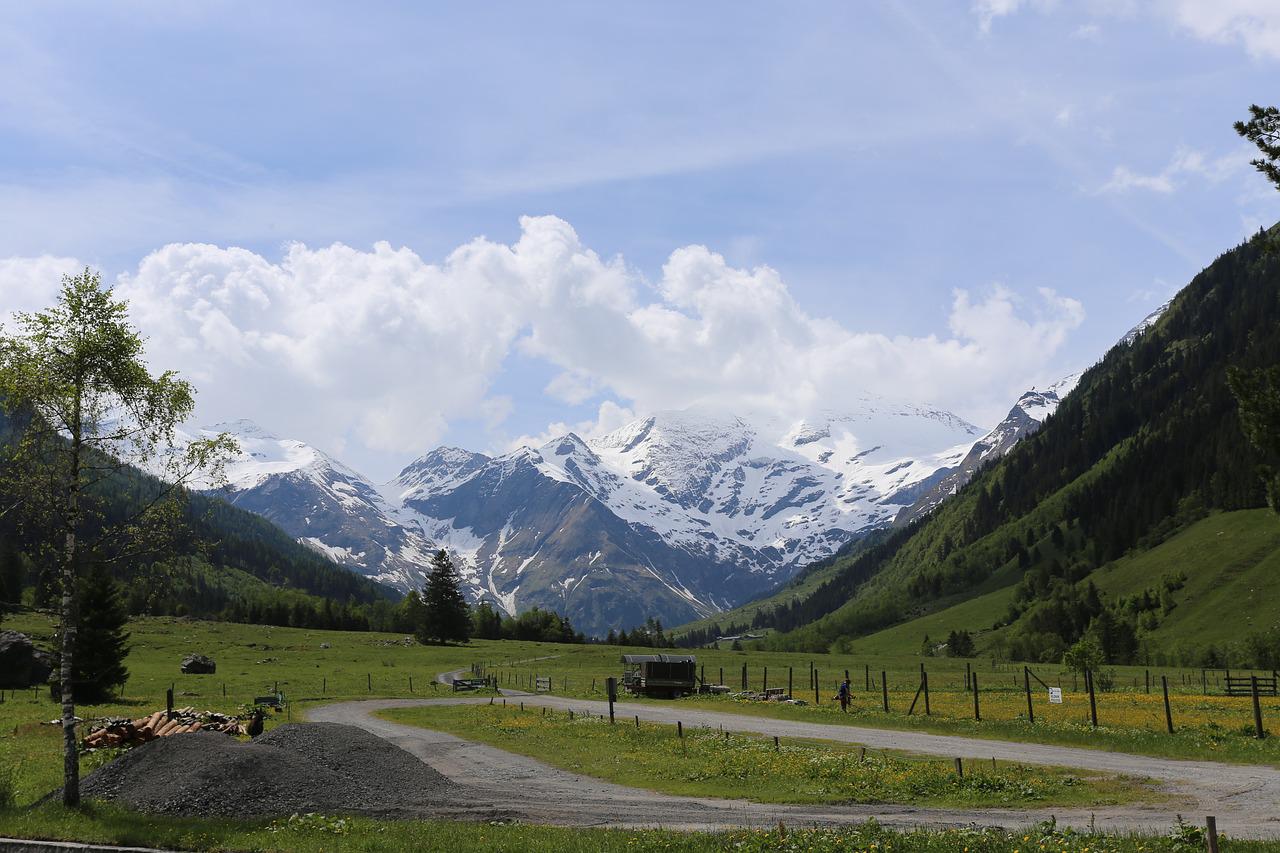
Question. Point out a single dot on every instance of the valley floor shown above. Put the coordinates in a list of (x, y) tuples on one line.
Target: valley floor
[(1245, 799)]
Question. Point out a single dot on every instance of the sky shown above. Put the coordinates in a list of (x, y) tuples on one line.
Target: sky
[(386, 228)]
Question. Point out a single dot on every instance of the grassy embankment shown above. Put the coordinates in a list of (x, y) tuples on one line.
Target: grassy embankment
[(710, 763), (319, 833)]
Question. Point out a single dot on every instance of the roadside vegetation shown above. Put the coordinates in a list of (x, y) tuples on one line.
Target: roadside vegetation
[(710, 763), (317, 833)]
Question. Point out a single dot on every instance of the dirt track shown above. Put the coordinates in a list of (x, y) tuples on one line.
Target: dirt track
[(1245, 799)]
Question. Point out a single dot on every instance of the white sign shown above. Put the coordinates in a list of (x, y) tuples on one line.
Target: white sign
[(1055, 695)]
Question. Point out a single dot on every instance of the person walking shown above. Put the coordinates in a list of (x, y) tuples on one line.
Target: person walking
[(844, 695)]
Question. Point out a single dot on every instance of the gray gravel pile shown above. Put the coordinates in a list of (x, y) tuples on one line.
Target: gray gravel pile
[(314, 767)]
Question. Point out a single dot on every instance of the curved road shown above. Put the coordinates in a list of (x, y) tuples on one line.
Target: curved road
[(1245, 799)]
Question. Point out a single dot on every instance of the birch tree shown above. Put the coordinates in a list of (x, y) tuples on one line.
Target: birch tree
[(83, 413)]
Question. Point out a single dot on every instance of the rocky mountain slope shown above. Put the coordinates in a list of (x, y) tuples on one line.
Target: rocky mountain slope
[(1026, 416), (675, 515)]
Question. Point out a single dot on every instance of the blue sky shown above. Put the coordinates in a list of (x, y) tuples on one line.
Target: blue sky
[(944, 201)]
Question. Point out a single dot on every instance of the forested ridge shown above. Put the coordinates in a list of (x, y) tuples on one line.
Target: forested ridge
[(223, 562), (1149, 442)]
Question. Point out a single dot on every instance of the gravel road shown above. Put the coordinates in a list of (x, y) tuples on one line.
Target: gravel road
[(1245, 799)]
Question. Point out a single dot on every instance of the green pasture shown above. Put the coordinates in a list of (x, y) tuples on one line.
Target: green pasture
[(700, 762)]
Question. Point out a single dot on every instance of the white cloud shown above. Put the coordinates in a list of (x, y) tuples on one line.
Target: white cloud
[(609, 416), (988, 10), (385, 350), (31, 284), (1124, 179), (1185, 162), (1253, 23)]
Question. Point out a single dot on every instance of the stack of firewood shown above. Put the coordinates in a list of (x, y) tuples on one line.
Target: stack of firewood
[(127, 733)]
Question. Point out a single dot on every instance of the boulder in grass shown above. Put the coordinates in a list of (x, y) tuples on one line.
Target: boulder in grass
[(21, 663), (198, 665)]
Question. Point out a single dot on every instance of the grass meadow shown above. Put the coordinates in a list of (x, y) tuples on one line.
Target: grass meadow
[(312, 667), (710, 763)]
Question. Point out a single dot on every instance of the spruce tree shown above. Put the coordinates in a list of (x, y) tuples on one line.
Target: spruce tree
[(101, 644), (447, 617)]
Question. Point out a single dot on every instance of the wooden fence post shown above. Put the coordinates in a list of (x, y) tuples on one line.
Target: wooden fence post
[(764, 681), (884, 690), (789, 684), (1148, 672), (680, 729), (1026, 681), (1257, 707), (959, 768), (1211, 833), (973, 683), (744, 677), (817, 686), (1093, 701), (867, 673), (1168, 714), (924, 682)]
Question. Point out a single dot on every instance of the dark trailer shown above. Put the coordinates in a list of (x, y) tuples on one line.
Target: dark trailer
[(660, 676)]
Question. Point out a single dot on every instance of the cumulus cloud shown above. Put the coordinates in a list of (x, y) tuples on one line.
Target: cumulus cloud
[(384, 350), (30, 284)]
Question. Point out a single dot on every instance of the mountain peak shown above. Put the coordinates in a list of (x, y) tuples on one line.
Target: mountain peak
[(242, 428)]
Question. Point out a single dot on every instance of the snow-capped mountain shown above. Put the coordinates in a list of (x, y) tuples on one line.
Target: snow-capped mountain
[(321, 503), (1026, 416), (674, 515), (1147, 322)]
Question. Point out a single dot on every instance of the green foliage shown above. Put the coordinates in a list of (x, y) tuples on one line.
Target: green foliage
[(486, 623), (1258, 393), (1085, 655), (960, 644), (102, 643), (1263, 130), (445, 615)]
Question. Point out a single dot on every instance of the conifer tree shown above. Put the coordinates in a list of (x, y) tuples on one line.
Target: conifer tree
[(101, 644), (446, 617), (1258, 390), (485, 622)]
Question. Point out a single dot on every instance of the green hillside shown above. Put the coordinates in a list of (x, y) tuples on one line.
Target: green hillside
[(1077, 531), (226, 563), (1231, 562)]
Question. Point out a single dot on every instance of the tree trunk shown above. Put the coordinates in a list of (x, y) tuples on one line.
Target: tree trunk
[(70, 754), (70, 621)]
